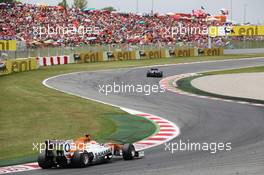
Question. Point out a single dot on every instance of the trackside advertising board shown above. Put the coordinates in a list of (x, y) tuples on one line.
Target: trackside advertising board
[(21, 65), (8, 45), (215, 31)]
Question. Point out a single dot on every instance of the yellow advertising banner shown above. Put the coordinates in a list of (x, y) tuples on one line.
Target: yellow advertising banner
[(152, 54), (188, 52), (21, 65), (215, 31), (91, 57), (213, 52), (7, 45), (122, 55)]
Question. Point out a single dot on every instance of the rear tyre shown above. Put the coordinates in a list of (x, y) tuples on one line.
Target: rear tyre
[(45, 161), (128, 151), (62, 161), (80, 159)]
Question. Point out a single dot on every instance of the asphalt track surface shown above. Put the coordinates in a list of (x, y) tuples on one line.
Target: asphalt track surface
[(243, 51), (201, 120)]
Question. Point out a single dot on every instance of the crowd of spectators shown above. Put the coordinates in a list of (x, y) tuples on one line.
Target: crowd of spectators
[(25, 22)]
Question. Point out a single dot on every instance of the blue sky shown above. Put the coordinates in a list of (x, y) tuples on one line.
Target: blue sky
[(254, 10)]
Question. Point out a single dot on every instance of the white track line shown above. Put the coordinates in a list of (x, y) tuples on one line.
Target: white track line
[(19, 168)]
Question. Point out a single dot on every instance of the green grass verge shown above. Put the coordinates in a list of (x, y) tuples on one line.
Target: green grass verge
[(30, 112), (185, 83)]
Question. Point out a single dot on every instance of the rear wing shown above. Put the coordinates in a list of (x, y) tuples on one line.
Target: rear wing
[(51, 145)]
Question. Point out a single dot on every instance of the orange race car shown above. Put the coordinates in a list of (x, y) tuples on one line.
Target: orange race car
[(83, 152)]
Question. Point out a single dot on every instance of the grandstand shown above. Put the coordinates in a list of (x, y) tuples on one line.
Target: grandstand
[(48, 30)]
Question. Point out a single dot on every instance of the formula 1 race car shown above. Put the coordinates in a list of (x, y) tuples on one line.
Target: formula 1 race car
[(79, 154), (154, 72)]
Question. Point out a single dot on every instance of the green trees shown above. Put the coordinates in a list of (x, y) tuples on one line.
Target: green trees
[(81, 4), (109, 9), (64, 4)]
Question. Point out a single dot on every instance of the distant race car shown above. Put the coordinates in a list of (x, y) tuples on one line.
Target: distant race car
[(82, 153), (154, 72)]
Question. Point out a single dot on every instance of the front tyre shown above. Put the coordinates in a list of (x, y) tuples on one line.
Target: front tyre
[(128, 151)]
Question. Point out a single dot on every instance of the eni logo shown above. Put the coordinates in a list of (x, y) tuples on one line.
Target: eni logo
[(123, 56), (21, 66), (246, 31), (90, 57), (7, 45)]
